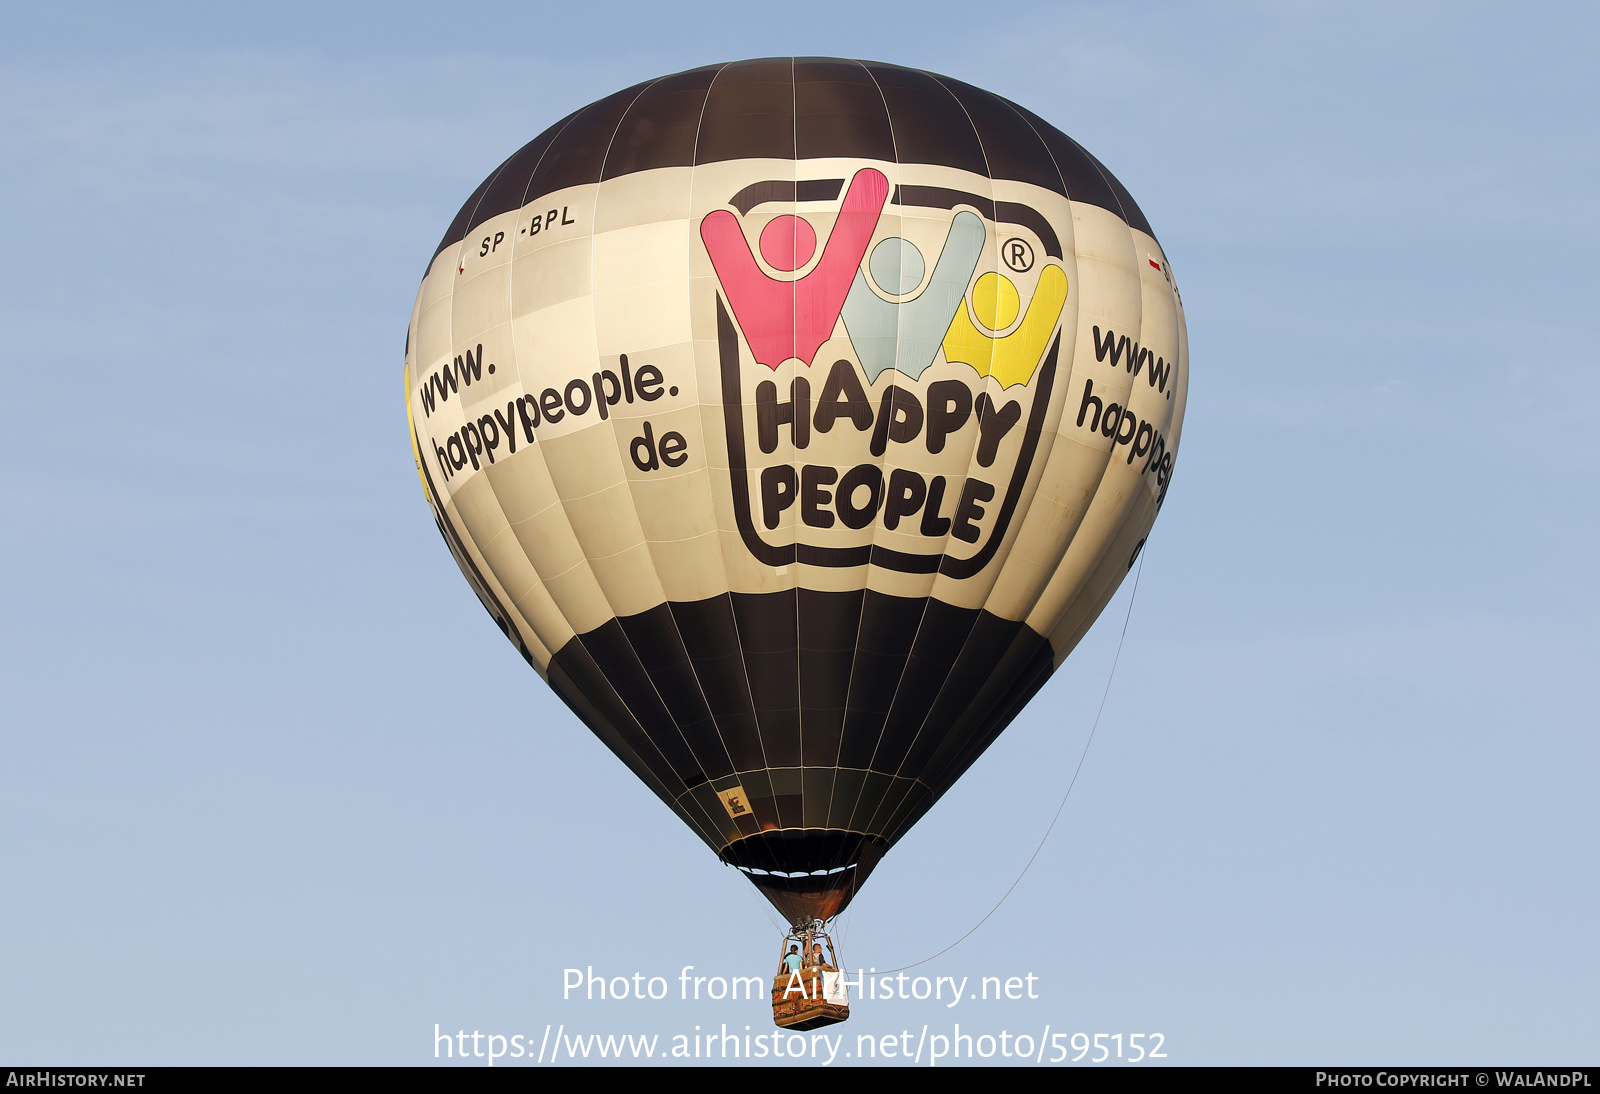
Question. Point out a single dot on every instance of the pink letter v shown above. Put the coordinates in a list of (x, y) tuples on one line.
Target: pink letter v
[(784, 319)]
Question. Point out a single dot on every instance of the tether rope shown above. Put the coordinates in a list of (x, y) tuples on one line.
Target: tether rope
[(1081, 758)]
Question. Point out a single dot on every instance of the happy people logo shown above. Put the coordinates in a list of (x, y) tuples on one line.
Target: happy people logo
[(923, 416)]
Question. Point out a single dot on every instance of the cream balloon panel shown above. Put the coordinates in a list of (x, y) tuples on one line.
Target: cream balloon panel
[(1130, 492), (539, 628), (1107, 295), (486, 539), (636, 299), (429, 345), (523, 503), (714, 185), (612, 537), (565, 501), (976, 590), (646, 337), (581, 530)]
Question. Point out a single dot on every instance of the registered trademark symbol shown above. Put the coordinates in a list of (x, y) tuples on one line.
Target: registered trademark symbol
[(1017, 254)]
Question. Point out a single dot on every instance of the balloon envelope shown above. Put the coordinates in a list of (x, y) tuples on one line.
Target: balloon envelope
[(795, 419)]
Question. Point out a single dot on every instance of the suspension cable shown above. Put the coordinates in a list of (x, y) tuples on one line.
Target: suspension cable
[(1074, 782)]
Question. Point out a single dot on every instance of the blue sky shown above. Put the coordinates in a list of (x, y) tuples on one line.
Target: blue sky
[(273, 788)]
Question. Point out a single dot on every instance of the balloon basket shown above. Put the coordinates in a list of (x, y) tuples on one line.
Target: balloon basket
[(797, 1013), (814, 994)]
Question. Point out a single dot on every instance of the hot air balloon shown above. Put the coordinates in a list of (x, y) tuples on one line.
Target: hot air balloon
[(795, 418)]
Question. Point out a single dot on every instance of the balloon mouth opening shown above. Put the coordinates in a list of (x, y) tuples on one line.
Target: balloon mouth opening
[(756, 870), (808, 873)]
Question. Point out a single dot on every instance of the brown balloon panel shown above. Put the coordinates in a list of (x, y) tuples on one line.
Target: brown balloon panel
[(801, 733), (796, 109)]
